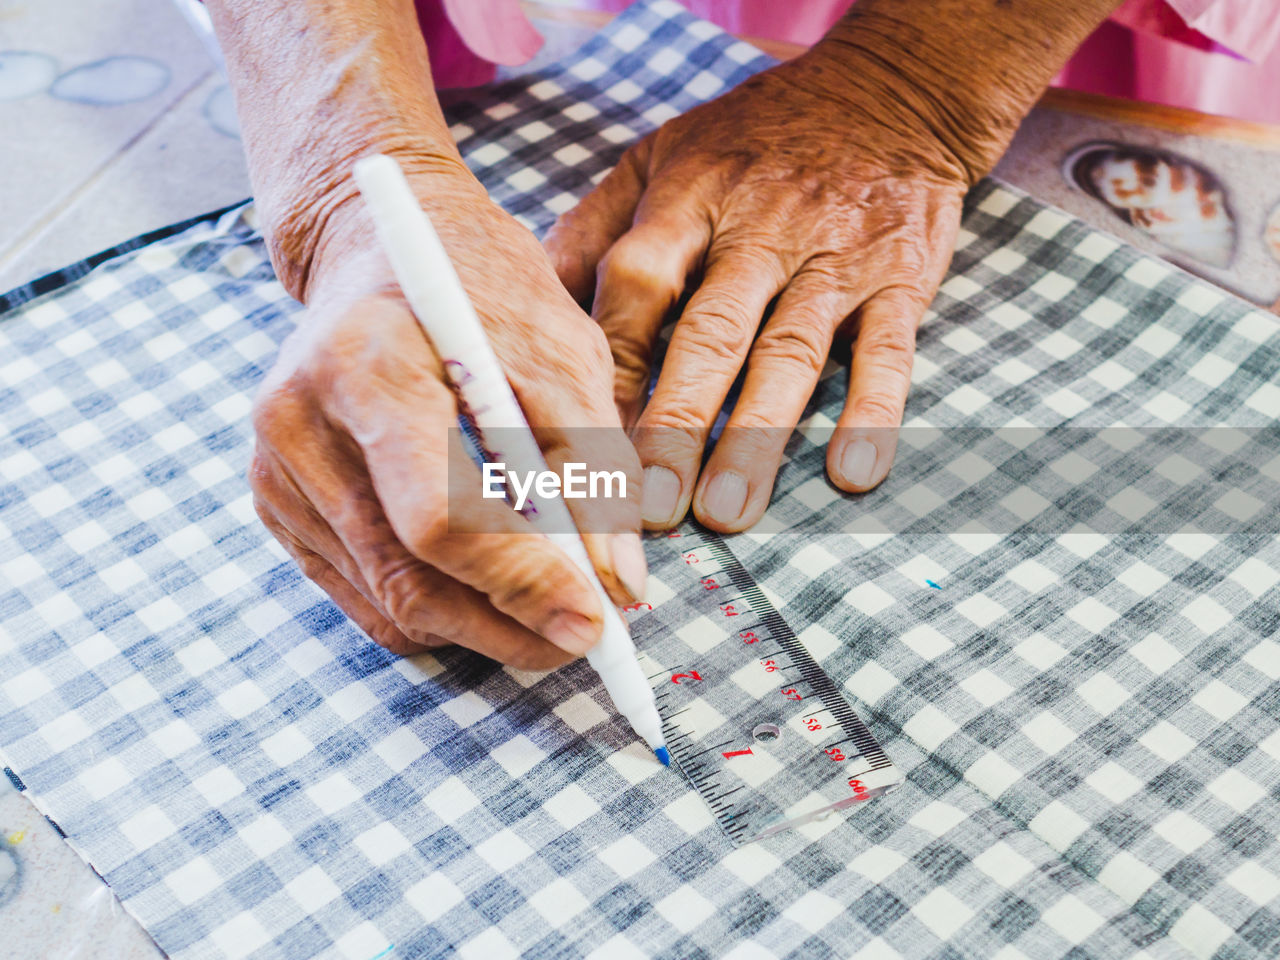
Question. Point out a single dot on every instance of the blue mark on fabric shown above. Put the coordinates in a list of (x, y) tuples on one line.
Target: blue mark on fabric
[(934, 585), (662, 754), (384, 953)]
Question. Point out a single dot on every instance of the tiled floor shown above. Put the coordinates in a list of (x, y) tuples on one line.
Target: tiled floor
[(81, 176)]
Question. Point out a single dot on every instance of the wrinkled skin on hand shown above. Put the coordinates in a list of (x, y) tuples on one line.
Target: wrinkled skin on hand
[(815, 196), (350, 470)]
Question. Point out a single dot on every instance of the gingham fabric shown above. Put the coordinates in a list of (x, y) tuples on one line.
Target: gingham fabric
[(1090, 724)]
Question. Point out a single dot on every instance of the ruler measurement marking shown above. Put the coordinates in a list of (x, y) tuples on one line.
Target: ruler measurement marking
[(710, 749), (733, 589)]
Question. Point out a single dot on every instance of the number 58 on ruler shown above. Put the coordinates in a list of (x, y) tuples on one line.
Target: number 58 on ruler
[(750, 718)]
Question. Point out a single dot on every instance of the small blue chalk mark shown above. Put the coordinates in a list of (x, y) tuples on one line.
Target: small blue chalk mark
[(934, 585), (384, 953), (662, 754)]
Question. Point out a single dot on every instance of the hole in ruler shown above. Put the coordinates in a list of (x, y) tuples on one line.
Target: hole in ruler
[(764, 732)]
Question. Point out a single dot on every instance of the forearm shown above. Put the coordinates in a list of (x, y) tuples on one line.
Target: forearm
[(969, 69), (318, 84)]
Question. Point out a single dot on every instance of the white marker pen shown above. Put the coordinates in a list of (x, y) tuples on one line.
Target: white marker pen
[(442, 307)]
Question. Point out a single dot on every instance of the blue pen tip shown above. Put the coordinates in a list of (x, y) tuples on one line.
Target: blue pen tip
[(662, 754)]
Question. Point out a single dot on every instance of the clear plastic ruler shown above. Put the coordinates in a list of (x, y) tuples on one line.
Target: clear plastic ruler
[(751, 719)]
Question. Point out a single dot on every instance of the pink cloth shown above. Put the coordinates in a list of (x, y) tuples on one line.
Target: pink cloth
[(1217, 56)]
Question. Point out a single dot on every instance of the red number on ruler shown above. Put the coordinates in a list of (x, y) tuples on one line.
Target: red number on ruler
[(709, 583), (770, 666), (693, 675), (632, 607), (858, 787), (835, 753), (727, 610), (812, 723), (791, 693), (690, 558), (737, 753), (749, 636)]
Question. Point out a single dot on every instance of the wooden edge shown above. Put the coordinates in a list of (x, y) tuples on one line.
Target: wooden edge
[(1158, 116), (1161, 117)]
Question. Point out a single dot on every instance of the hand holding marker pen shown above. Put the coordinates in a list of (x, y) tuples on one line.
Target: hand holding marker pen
[(446, 315)]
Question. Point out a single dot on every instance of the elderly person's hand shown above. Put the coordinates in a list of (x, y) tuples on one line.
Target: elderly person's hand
[(355, 425), (822, 197), (352, 470)]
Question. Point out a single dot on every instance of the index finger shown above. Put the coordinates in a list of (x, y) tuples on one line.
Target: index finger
[(708, 347)]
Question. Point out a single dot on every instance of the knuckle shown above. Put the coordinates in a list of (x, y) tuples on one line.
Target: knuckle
[(888, 343), (387, 635), (581, 353), (400, 593), (557, 241), (313, 566), (673, 423), (631, 360), (718, 332), (876, 408), (583, 375), (754, 429), (800, 344), (632, 264), (273, 415), (261, 483)]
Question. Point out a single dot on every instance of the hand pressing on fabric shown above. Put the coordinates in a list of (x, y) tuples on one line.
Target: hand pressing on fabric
[(819, 198), (762, 203), (355, 424)]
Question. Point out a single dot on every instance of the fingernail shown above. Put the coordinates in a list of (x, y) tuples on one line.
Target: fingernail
[(573, 632), (858, 463), (660, 496), (724, 497), (629, 566)]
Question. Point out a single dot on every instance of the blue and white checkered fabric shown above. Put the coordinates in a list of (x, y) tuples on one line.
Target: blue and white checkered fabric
[(1090, 724)]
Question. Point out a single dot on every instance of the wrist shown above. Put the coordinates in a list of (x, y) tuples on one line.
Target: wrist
[(971, 119), (964, 71), (318, 85), (314, 221)]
